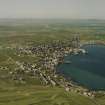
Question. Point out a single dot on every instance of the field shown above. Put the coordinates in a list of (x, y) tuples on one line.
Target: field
[(14, 33)]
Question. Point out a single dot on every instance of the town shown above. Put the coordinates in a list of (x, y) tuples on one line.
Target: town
[(49, 56)]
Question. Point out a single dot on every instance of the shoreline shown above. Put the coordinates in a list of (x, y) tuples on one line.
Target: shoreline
[(50, 56)]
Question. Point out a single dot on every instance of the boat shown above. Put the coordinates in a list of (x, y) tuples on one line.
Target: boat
[(67, 62)]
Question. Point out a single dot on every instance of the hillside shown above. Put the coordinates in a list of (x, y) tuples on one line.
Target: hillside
[(40, 95)]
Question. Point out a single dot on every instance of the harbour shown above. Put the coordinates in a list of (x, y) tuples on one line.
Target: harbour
[(88, 69)]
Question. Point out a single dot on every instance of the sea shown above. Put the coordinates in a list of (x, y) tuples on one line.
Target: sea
[(87, 70)]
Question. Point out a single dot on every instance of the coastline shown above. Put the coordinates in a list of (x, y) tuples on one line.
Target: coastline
[(50, 56)]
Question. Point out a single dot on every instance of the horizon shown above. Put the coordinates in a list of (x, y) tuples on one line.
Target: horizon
[(50, 18)]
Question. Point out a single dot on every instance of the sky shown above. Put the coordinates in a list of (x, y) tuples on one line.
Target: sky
[(70, 9)]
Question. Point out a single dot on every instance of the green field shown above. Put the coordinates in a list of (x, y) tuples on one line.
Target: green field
[(25, 33)]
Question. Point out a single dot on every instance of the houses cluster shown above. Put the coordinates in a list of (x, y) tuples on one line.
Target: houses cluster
[(49, 56)]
